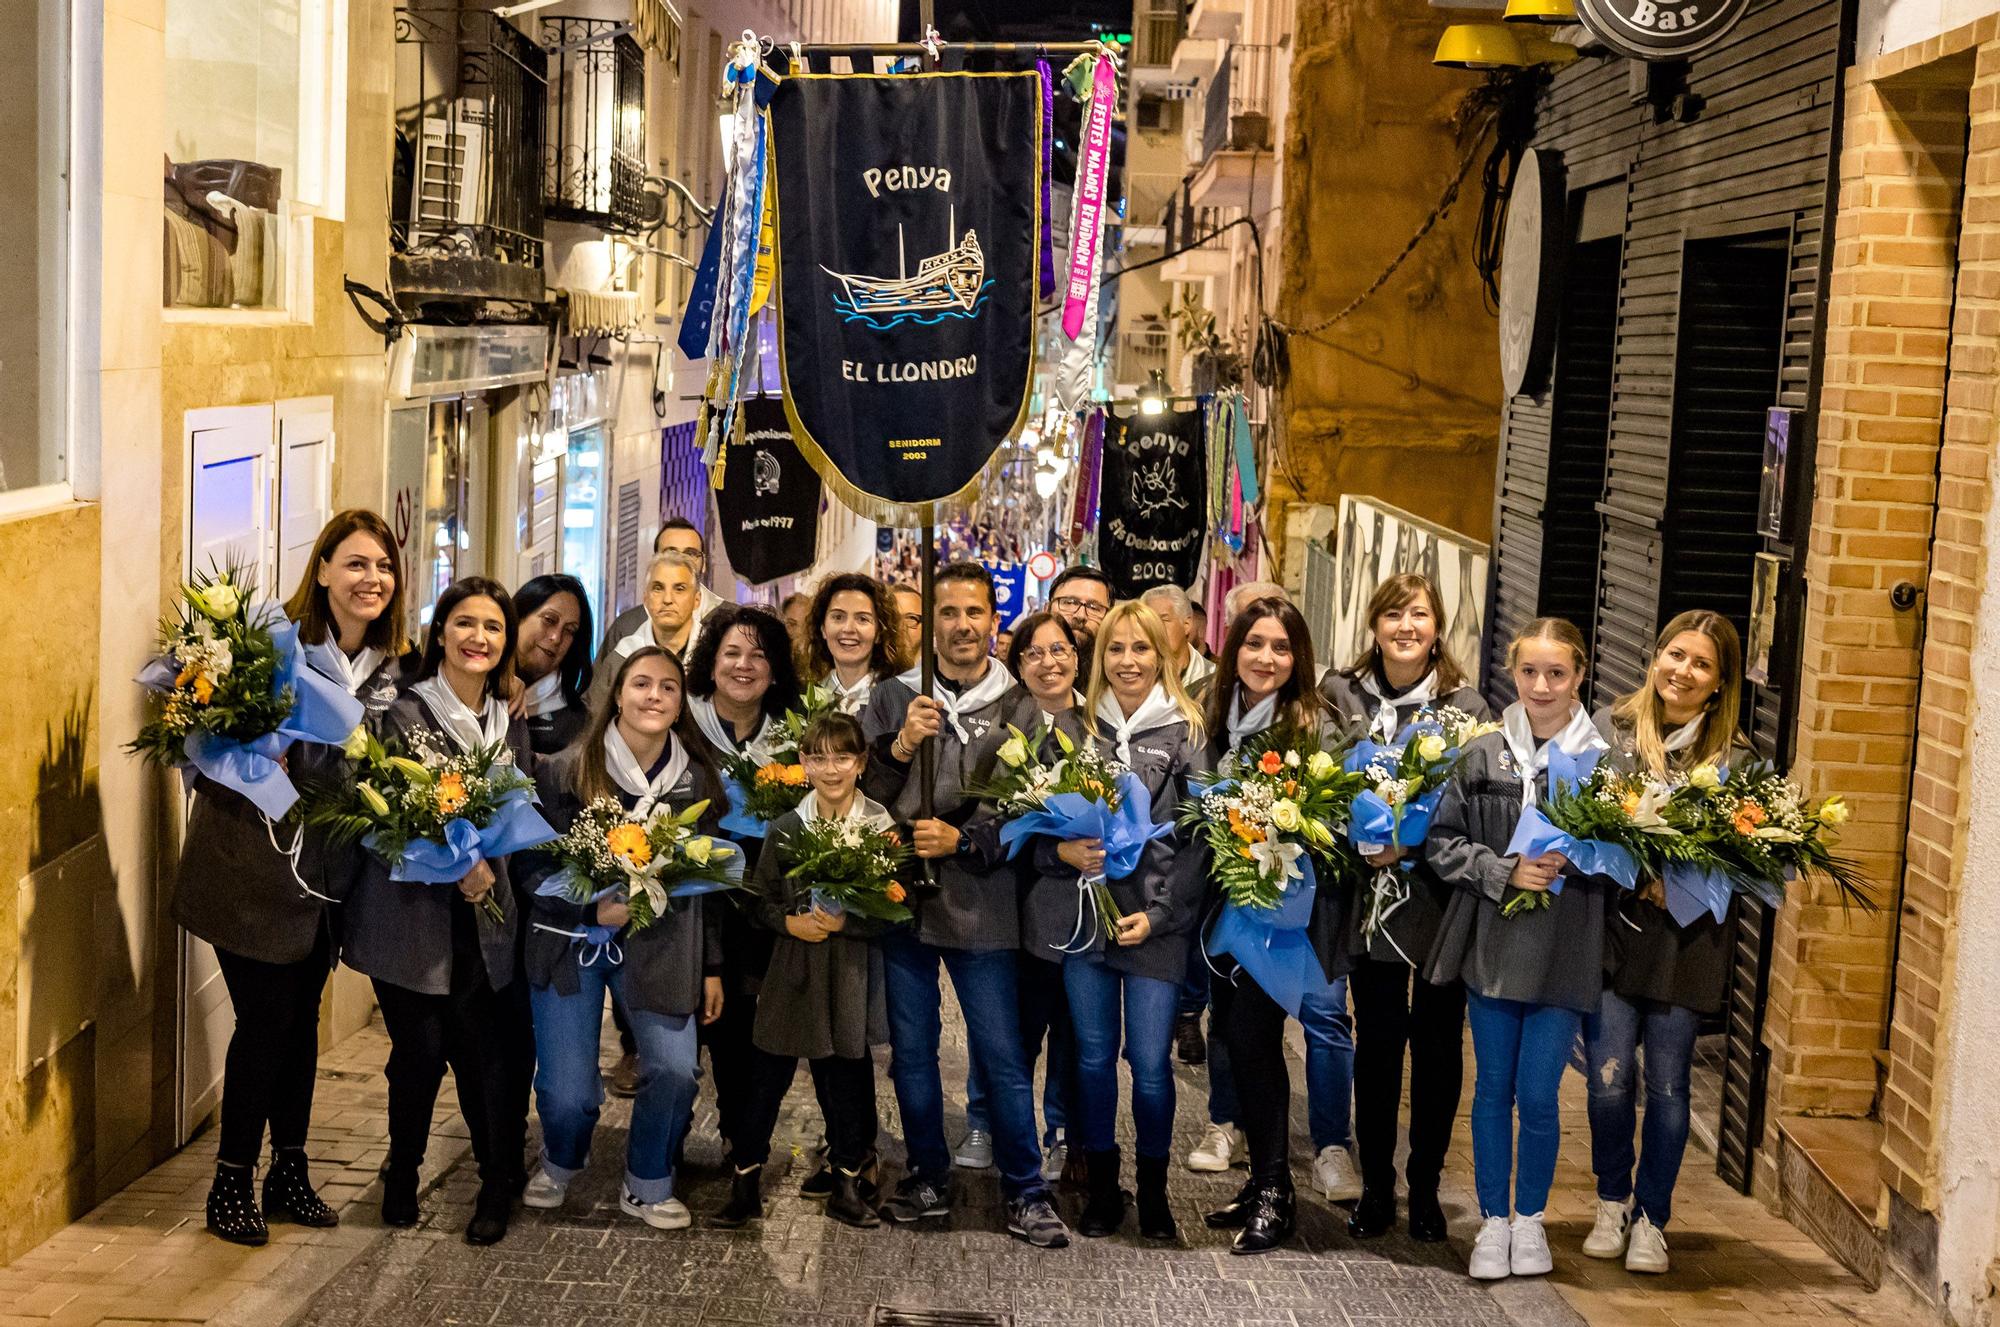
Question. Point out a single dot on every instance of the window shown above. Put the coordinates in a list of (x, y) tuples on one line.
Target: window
[(255, 104), (35, 263)]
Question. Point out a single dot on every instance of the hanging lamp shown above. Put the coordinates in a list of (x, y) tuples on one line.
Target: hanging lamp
[(1480, 46)]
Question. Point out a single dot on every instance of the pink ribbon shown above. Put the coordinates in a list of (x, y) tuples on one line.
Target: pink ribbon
[(1093, 169)]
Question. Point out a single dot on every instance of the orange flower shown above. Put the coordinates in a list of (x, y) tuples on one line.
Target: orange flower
[(1291, 787), (1271, 762), (450, 794), (795, 775), (1630, 804), (204, 690), (1749, 815), (895, 893), (630, 843)]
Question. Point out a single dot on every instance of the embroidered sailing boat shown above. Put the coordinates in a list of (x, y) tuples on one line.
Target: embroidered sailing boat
[(946, 285)]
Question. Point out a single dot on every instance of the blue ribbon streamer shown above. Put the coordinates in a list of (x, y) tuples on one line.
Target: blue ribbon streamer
[(516, 824), (738, 819), (1124, 832), (1271, 945)]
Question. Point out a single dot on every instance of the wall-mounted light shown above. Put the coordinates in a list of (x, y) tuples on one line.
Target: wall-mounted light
[(1541, 11), (1153, 396), (1480, 46)]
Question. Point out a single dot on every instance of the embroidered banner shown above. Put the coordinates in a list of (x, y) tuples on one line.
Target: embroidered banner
[(908, 216), (769, 499), (1152, 510)]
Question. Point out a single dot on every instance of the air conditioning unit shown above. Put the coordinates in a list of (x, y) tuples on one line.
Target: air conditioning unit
[(450, 172)]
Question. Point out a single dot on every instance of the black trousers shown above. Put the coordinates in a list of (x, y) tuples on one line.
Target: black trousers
[(466, 1030), (1394, 1007), (1252, 1026), (273, 1058), (732, 1054), (517, 1064), (1043, 1003), (846, 1092)]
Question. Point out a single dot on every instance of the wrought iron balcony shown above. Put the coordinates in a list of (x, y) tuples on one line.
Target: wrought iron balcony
[(1236, 104), (472, 99), (596, 158)]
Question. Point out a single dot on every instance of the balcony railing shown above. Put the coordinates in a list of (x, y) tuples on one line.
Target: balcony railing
[(1141, 350), (1157, 27), (596, 158), (1236, 106), (472, 98)]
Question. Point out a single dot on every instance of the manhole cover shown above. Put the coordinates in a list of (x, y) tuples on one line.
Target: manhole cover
[(888, 1317)]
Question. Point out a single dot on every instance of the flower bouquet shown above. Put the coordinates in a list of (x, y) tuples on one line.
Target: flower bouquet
[(1403, 782), (1082, 794), (431, 814), (769, 788), (1273, 806), (648, 863), (851, 865), (1756, 831), (1603, 821), (236, 692)]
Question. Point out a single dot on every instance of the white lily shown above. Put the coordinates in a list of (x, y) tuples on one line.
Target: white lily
[(1278, 858)]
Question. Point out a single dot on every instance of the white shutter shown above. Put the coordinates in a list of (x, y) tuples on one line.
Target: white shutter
[(305, 483), (229, 489), (450, 157)]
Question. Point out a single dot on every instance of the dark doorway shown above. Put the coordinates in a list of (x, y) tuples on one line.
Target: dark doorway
[(1579, 423)]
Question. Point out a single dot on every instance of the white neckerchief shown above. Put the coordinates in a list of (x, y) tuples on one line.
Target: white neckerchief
[(710, 723), (1197, 669), (1383, 727), (1241, 727), (1685, 736), (332, 662), (850, 700), (869, 812), (1579, 736), (1155, 711), (957, 704), (468, 731), (545, 696), (642, 635), (625, 771)]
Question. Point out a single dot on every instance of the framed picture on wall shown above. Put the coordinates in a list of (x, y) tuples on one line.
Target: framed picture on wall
[(1778, 425), (1763, 618)]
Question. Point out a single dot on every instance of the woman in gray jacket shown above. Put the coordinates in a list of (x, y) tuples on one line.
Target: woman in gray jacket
[(1529, 976)]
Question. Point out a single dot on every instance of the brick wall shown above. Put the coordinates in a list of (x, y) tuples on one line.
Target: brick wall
[(1901, 494)]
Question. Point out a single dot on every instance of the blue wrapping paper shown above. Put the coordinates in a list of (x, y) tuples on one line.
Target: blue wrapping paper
[(516, 825), (1124, 832), (1693, 890), (738, 819), (1535, 836), (322, 711), (1271, 945), (1372, 820), (596, 941)]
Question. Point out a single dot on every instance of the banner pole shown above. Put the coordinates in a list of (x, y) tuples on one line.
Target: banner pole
[(927, 666)]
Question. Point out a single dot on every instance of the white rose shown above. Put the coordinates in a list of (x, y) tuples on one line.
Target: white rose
[(1014, 752), (218, 600), (1285, 814), (1431, 747), (1319, 765), (1705, 777), (1833, 812), (1292, 759)]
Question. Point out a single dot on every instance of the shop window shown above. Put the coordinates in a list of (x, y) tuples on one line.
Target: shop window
[(255, 105), (35, 262)]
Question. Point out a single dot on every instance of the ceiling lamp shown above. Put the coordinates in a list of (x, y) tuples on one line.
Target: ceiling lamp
[(1480, 46), (1541, 11)]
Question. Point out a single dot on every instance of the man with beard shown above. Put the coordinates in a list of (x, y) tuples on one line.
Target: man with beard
[(967, 925), (1081, 596)]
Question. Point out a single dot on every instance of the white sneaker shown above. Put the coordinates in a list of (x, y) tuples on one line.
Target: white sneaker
[(667, 1214), (1054, 1157), (1491, 1260), (1648, 1249), (544, 1191), (1219, 1149), (976, 1152), (1529, 1255), (1335, 1175), (1607, 1237)]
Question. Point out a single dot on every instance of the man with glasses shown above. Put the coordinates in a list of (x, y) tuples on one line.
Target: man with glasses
[(678, 535), (1081, 596)]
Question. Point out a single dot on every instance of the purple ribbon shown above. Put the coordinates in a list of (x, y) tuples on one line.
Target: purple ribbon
[(1048, 168)]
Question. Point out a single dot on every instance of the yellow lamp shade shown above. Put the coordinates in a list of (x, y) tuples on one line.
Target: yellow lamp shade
[(1541, 11), (1480, 46), (1539, 50)]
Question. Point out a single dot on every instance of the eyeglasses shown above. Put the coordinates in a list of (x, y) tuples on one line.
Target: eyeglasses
[(834, 761), (1069, 603), (1048, 654)]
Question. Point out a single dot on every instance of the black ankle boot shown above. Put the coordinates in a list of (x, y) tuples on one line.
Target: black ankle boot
[(1104, 1210), (746, 1199), (1232, 1214), (848, 1203), (399, 1196), (490, 1213), (288, 1191), (1426, 1217), (232, 1206), (1271, 1223), (1374, 1213), (1156, 1216)]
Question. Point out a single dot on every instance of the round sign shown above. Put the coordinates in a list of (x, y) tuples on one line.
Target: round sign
[(1660, 29), (1042, 565), (1531, 272)]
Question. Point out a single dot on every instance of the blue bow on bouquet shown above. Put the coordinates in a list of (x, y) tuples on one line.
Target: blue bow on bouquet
[(322, 711), (1271, 945), (738, 819), (1124, 832), (1371, 820), (516, 824), (593, 941), (1535, 835)]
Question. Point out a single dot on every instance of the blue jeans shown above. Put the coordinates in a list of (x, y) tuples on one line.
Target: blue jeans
[(1044, 1014), (1520, 1051), (1100, 1000), (569, 1089), (984, 981), (1611, 1040), (1329, 1070)]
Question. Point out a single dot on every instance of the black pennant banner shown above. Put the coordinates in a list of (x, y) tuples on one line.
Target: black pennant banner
[(1152, 511), (908, 212), (769, 500)]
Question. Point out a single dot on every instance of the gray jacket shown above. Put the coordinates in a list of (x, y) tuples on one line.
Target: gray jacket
[(235, 889), (401, 933), (1171, 900), (1410, 931), (976, 905), (822, 999), (1552, 955), (663, 965)]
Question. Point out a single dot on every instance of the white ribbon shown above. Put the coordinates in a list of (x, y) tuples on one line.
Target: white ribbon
[(589, 954), (330, 661), (957, 704), (468, 731), (1578, 736), (291, 856), (1155, 711), (626, 772), (1241, 727), (1383, 728), (545, 695)]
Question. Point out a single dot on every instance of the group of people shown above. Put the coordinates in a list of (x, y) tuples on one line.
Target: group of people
[(512, 999)]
